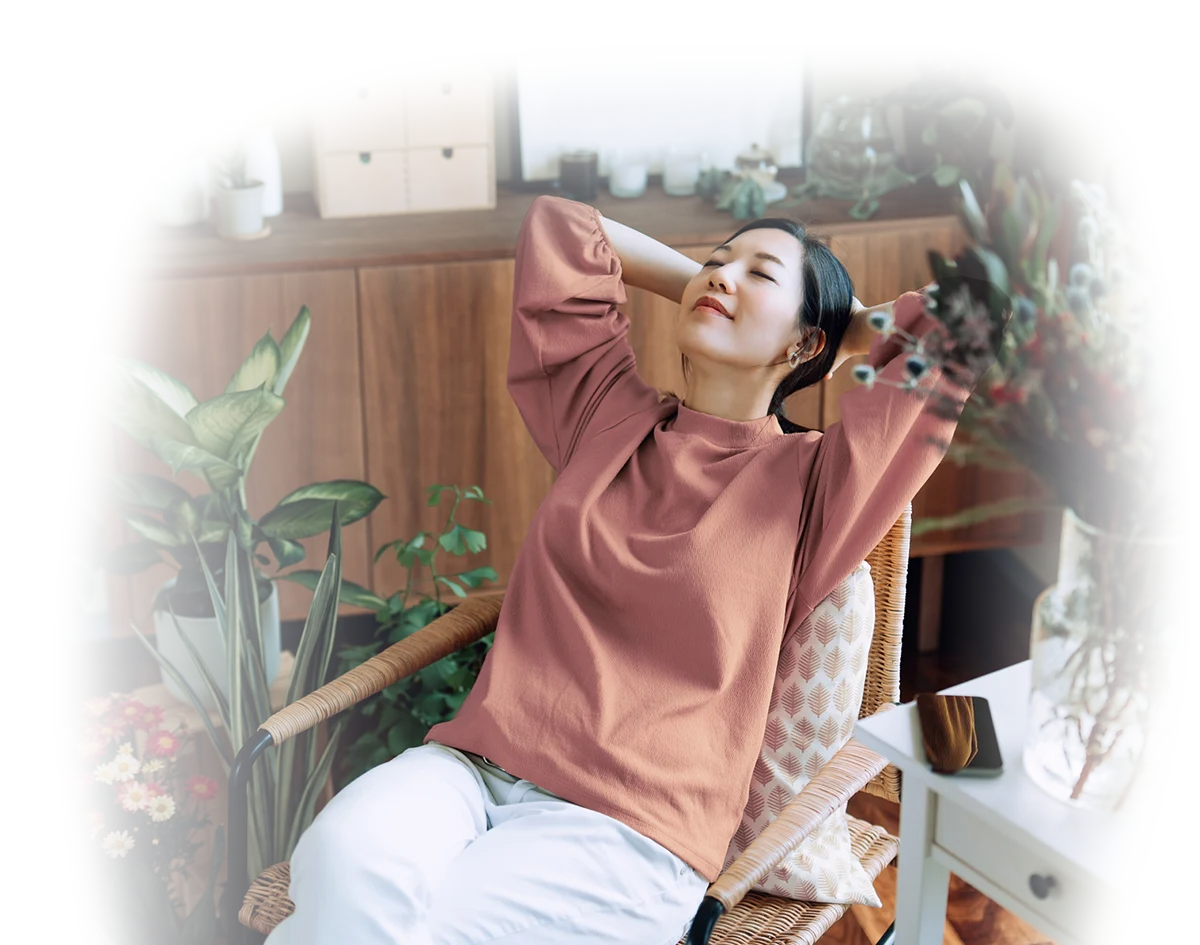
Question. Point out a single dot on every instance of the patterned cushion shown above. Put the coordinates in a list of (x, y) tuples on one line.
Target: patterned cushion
[(814, 704)]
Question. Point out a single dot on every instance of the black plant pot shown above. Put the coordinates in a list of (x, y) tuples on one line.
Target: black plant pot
[(973, 151)]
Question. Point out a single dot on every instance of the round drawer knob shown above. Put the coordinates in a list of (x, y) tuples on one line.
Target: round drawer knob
[(1042, 885)]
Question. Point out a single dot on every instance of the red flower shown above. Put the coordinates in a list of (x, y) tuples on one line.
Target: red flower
[(202, 788), (91, 822), (162, 743), (150, 718), (129, 711), (90, 747), (77, 783)]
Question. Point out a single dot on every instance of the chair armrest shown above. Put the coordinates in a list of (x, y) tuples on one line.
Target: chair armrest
[(845, 774), (471, 620)]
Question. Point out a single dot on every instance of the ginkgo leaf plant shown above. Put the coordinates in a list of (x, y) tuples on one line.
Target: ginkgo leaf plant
[(215, 439)]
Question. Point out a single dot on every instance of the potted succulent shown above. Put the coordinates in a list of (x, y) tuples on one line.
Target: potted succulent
[(239, 198), (179, 186), (949, 109), (216, 439)]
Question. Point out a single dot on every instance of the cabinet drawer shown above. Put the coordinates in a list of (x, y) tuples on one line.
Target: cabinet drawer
[(450, 178), (448, 109), (367, 117), (1068, 902), (361, 184)]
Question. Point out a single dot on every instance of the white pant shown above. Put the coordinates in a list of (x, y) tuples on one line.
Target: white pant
[(439, 847)]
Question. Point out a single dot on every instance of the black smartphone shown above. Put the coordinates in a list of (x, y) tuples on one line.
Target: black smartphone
[(958, 734)]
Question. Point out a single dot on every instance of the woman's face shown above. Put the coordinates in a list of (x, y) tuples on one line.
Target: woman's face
[(756, 278)]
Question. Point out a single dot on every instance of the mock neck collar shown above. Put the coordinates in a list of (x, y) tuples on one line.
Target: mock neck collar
[(722, 432)]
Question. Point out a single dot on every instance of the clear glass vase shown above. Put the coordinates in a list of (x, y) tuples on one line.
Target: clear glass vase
[(1092, 650), (851, 152)]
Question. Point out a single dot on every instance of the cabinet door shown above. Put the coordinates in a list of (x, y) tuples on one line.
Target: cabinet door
[(886, 260), (652, 334), (437, 411), (199, 331)]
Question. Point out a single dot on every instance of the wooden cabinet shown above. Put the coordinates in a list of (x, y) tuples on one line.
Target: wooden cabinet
[(403, 381), (199, 331)]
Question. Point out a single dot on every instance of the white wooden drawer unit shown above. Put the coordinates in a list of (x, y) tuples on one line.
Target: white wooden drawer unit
[(418, 144)]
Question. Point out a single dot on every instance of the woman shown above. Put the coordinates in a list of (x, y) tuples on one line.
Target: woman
[(589, 786)]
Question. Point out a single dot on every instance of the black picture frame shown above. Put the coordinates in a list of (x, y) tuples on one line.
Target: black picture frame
[(516, 166)]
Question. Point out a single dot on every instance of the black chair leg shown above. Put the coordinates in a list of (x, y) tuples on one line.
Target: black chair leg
[(888, 937)]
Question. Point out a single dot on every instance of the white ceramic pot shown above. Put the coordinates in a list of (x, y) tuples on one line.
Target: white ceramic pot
[(262, 163), (240, 210), (179, 192), (205, 635)]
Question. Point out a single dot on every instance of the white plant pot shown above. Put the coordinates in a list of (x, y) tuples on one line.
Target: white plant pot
[(205, 636), (262, 163), (179, 192), (239, 211)]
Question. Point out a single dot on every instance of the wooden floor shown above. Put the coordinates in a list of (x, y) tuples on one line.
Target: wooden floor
[(985, 626)]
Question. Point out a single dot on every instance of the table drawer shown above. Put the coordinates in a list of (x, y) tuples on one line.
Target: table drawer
[(363, 184), (1060, 895), (449, 113), (450, 178), (366, 117)]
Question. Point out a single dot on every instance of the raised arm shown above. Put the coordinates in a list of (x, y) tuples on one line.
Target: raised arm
[(571, 369), (872, 462), (648, 264)]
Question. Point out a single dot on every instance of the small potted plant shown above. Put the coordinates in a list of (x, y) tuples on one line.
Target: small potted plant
[(179, 186), (949, 109), (239, 199)]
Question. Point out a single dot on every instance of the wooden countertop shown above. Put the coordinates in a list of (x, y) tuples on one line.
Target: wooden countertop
[(301, 240)]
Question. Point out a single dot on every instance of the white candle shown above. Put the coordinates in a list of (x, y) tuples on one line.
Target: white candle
[(680, 173), (627, 177)]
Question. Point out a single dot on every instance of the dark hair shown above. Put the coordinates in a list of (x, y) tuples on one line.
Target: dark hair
[(827, 296)]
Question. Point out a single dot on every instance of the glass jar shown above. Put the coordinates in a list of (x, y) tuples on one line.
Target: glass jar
[(1091, 648), (850, 151)]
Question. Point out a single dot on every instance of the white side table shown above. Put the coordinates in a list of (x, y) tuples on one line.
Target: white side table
[(1047, 862)]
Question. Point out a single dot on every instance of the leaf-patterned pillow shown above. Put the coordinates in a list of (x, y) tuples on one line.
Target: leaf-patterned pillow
[(814, 704)]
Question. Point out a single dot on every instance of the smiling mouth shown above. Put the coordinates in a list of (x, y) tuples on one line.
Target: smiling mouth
[(711, 309)]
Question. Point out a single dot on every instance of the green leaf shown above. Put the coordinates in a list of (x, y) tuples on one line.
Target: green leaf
[(963, 115), (291, 346), (477, 576), (143, 490), (133, 558), (944, 175), (175, 394), (286, 551), (157, 906), (153, 530), (260, 367), (354, 594), (135, 402), (435, 494), (474, 492), (229, 424), (458, 591), (180, 456), (93, 933), (358, 499), (200, 926), (317, 777), (976, 222), (460, 539), (214, 689)]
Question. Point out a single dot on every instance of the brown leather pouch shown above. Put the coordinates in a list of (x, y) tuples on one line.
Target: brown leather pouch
[(948, 730)]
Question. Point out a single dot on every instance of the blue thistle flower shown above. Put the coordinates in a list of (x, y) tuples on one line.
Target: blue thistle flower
[(1081, 274), (882, 322), (916, 365), (863, 374)]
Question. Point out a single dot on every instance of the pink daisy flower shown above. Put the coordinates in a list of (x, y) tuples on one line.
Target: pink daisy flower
[(163, 743), (130, 710), (202, 788), (150, 718)]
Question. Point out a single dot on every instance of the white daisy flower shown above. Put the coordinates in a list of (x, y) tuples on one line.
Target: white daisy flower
[(135, 796), (126, 749), (117, 843), (154, 764), (125, 767), (162, 807), (105, 773)]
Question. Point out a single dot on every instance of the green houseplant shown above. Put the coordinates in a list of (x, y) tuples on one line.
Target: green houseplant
[(399, 717), (951, 108), (215, 439), (239, 196)]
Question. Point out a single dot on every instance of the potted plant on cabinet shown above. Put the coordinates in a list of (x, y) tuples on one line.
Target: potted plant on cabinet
[(239, 198), (179, 186), (216, 439), (949, 109)]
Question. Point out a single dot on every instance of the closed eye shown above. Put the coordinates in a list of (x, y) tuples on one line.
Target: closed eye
[(753, 272)]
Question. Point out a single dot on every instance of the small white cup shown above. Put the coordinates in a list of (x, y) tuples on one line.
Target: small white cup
[(627, 171), (681, 170)]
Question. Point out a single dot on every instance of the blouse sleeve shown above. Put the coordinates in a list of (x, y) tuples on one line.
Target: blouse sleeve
[(871, 463), (571, 369)]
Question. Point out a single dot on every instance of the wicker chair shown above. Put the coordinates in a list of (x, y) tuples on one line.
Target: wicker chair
[(731, 912)]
